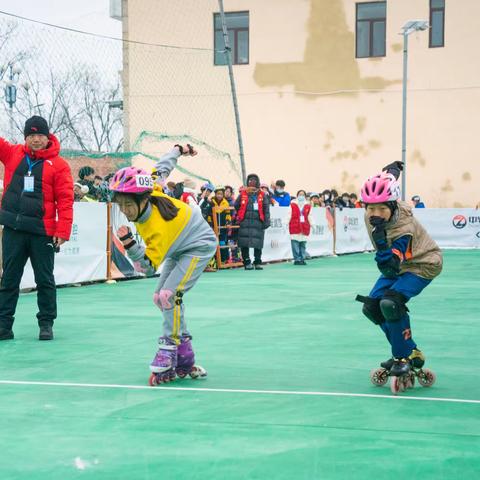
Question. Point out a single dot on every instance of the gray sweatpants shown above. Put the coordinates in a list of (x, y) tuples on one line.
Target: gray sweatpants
[(178, 276)]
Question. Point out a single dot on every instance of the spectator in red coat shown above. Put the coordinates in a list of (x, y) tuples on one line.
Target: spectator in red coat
[(300, 222), (37, 214)]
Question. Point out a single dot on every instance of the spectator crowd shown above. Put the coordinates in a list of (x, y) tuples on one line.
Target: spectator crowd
[(240, 217), (90, 187)]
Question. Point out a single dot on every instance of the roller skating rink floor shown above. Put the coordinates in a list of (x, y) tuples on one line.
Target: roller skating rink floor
[(288, 394)]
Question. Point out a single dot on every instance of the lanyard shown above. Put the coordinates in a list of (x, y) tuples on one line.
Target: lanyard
[(30, 164)]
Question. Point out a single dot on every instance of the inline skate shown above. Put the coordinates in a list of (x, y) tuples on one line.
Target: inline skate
[(186, 361), (402, 373), (164, 363)]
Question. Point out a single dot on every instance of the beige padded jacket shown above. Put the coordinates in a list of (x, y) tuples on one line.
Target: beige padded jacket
[(424, 257)]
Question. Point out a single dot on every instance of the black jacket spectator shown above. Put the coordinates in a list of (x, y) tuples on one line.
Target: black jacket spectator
[(253, 216)]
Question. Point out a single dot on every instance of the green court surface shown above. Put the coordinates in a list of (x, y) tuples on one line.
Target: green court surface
[(288, 394)]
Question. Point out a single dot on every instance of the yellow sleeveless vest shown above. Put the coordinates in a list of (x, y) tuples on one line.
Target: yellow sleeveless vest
[(159, 234)]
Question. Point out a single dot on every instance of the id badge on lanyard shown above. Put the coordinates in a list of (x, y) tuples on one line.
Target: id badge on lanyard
[(255, 206), (29, 180), (28, 183)]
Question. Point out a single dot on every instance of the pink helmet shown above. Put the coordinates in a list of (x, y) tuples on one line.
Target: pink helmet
[(131, 180), (380, 189)]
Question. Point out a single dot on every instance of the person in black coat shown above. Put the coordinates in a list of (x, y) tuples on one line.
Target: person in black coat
[(253, 216)]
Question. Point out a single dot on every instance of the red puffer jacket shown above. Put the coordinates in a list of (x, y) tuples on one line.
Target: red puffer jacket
[(48, 210)]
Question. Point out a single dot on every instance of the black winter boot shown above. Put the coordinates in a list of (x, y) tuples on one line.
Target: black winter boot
[(46, 333)]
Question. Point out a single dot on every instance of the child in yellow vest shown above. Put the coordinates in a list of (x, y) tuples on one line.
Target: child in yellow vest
[(176, 236)]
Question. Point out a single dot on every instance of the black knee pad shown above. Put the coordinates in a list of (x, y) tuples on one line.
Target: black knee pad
[(393, 305), (178, 298), (371, 309)]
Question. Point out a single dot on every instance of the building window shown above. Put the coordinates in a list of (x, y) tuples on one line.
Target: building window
[(437, 23), (238, 37), (371, 29)]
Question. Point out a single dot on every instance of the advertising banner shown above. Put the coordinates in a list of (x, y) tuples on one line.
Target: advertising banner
[(277, 245), (350, 231), (277, 239), (451, 227), (320, 241), (83, 258)]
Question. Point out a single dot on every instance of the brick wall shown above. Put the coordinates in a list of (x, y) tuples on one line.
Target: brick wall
[(102, 166)]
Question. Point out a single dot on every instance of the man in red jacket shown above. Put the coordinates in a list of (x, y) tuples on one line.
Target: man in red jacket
[(37, 214)]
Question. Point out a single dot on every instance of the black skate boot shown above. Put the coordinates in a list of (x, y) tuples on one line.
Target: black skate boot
[(401, 366), (387, 364)]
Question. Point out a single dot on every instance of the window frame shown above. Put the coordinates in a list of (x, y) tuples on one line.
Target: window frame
[(370, 22), (236, 30), (430, 30)]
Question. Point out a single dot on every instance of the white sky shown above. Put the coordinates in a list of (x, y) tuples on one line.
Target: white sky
[(87, 15)]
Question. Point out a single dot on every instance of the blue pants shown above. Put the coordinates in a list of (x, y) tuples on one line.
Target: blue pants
[(298, 250), (399, 333)]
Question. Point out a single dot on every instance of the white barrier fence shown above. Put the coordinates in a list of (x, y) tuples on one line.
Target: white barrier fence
[(84, 257), (277, 244), (451, 227), (350, 232)]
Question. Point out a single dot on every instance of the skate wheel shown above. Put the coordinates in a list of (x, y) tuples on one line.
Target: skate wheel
[(379, 377), (169, 377), (152, 381), (411, 380), (396, 385), (181, 373), (426, 378), (198, 372)]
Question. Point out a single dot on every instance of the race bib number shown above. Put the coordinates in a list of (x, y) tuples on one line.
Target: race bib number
[(28, 184), (144, 181)]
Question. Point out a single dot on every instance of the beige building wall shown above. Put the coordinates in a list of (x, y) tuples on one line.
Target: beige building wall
[(311, 113)]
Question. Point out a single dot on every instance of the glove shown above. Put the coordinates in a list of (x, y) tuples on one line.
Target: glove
[(379, 232), (186, 151), (391, 267), (394, 168)]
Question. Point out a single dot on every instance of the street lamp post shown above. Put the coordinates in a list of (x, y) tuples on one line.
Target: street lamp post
[(10, 91), (410, 27), (228, 57)]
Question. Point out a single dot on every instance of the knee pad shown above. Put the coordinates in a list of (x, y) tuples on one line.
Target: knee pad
[(162, 299), (371, 309), (393, 305)]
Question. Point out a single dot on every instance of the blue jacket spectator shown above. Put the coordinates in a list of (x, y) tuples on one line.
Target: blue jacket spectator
[(280, 196), (417, 202)]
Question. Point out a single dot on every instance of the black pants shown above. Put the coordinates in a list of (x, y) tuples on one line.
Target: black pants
[(257, 254), (18, 247)]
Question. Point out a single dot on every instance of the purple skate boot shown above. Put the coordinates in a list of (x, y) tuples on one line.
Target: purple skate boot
[(186, 361), (164, 363)]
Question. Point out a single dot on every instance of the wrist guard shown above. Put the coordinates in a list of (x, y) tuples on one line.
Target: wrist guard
[(126, 236)]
